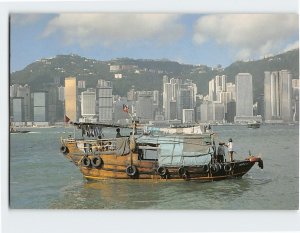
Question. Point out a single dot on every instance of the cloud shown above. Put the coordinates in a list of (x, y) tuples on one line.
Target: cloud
[(114, 29), (247, 34), (24, 19), (292, 46)]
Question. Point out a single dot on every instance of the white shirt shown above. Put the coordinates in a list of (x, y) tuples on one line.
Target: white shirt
[(230, 146)]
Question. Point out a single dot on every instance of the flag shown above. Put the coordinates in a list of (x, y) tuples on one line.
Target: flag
[(67, 119), (125, 108)]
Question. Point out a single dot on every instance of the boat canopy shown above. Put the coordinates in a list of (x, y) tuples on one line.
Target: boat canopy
[(180, 150)]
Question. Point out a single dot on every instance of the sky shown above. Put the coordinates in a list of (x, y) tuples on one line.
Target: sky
[(208, 39)]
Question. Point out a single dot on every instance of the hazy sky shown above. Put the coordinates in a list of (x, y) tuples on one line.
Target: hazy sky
[(208, 39)]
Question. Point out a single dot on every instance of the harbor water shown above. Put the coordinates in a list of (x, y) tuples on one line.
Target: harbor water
[(40, 177)]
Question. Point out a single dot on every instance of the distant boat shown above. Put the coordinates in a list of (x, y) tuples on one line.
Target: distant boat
[(253, 124), (15, 131)]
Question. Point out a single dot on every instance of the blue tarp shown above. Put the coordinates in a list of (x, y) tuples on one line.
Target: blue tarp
[(177, 150)]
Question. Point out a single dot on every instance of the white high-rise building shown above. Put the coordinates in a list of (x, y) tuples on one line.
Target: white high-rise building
[(88, 103), (216, 86), (278, 96), (105, 101), (170, 94), (244, 97)]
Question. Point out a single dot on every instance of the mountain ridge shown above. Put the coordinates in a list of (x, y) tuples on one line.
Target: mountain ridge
[(146, 73)]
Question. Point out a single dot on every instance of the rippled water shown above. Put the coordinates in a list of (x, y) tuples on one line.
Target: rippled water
[(41, 178)]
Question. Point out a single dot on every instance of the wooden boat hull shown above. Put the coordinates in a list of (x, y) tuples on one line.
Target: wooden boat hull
[(108, 165)]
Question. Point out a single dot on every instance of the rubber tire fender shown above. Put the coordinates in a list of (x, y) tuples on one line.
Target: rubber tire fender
[(227, 167), (162, 171), (96, 161), (214, 168), (131, 170), (85, 161), (64, 149), (181, 171)]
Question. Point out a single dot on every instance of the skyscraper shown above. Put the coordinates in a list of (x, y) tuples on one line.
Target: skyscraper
[(105, 101), (24, 91), (88, 104), (244, 95), (144, 106), (278, 96), (71, 98), (40, 106)]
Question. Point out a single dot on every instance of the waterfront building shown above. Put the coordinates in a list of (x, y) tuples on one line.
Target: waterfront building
[(278, 96), (61, 93), (24, 91), (230, 87), (296, 88), (188, 116), (206, 111), (170, 94), (88, 104), (40, 106), (53, 104), (185, 99), (231, 111), (17, 109), (244, 97), (105, 101), (144, 106), (71, 98)]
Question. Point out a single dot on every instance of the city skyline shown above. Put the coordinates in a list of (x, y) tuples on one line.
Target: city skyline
[(179, 102), (209, 39)]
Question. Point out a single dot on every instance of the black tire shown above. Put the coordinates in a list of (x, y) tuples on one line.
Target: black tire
[(186, 175), (131, 170), (85, 162), (227, 167), (215, 168), (181, 171), (96, 161), (162, 171), (64, 149)]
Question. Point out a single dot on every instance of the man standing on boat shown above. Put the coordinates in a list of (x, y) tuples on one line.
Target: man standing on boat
[(230, 149), (221, 152), (118, 135)]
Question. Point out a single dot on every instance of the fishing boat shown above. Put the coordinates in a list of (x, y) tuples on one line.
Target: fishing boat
[(150, 156), (253, 124)]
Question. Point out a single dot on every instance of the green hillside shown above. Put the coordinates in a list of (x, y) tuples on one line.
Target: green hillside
[(146, 74)]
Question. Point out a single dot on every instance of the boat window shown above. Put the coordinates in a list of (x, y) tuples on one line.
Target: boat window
[(149, 154)]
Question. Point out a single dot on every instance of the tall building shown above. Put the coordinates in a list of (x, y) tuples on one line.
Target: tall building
[(278, 96), (71, 98), (188, 116), (53, 103), (170, 93), (244, 96), (88, 104), (40, 106), (185, 99), (144, 106), (105, 101), (61, 93), (24, 91), (216, 86), (230, 87), (17, 109)]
